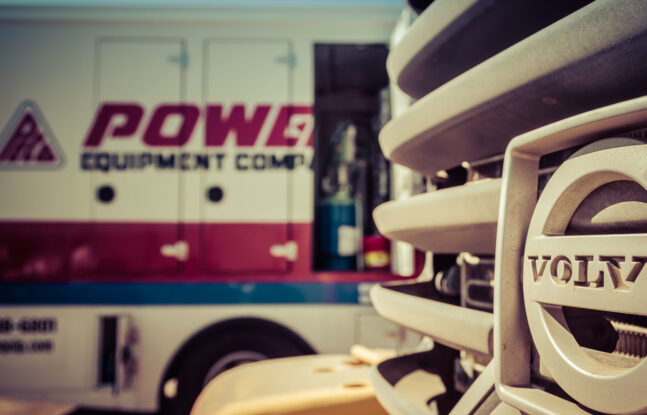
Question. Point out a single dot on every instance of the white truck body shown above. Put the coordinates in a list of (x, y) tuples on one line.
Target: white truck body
[(112, 216)]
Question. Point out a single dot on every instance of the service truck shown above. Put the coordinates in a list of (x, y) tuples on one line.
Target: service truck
[(158, 194)]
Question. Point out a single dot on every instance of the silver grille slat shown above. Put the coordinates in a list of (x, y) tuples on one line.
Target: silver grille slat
[(457, 219), (563, 70), (440, 36)]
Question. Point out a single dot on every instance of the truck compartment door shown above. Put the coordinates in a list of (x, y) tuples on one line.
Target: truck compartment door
[(135, 198), (117, 357), (244, 202)]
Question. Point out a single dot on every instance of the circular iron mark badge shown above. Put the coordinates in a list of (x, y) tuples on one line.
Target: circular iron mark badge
[(595, 271)]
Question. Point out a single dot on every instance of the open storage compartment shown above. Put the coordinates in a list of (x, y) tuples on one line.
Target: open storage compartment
[(351, 174)]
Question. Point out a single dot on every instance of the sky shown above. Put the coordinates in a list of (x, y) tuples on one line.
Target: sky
[(241, 3)]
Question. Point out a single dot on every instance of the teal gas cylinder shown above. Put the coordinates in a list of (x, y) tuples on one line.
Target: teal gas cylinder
[(338, 232)]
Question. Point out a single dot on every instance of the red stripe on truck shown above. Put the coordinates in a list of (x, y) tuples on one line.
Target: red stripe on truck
[(125, 251)]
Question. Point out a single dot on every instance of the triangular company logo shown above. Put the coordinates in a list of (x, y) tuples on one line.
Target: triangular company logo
[(28, 142)]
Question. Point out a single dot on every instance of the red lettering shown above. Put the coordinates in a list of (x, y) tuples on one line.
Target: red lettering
[(294, 125), (292, 122), (247, 130), (132, 114), (189, 114)]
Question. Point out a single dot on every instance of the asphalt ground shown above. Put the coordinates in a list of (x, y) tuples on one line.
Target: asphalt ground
[(16, 407), (95, 412)]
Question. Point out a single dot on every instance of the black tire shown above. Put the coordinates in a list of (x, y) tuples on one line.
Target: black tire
[(201, 354)]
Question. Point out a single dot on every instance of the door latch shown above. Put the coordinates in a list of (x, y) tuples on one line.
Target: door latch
[(289, 251), (290, 59), (182, 58), (179, 250)]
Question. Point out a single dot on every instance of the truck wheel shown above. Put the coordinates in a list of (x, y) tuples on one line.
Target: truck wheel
[(231, 360), (203, 361)]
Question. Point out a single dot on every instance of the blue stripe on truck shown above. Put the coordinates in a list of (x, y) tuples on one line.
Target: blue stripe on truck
[(79, 293)]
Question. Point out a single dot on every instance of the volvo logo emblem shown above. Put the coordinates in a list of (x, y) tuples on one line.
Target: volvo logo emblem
[(590, 271)]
